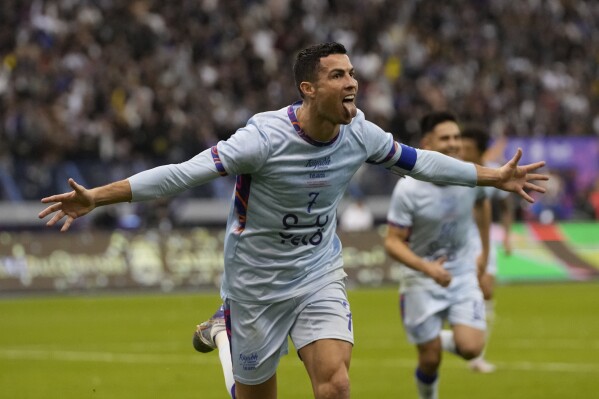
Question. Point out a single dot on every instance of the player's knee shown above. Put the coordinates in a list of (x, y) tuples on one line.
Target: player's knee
[(470, 350), (336, 387), (429, 361)]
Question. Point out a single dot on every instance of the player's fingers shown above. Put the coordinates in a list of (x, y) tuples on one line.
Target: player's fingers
[(59, 215), (534, 187), (67, 224), (534, 166), (527, 197), (536, 176), (52, 198), (77, 187), (49, 210), (516, 158)]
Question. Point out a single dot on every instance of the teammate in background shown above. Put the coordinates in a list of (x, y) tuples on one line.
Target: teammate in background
[(283, 270), (428, 234), (475, 142)]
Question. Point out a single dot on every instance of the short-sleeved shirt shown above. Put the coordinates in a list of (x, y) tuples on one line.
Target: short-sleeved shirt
[(439, 218)]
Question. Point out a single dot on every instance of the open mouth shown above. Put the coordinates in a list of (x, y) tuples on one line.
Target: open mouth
[(349, 99), (350, 105)]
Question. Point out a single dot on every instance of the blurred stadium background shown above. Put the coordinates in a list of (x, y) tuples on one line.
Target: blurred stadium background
[(98, 90)]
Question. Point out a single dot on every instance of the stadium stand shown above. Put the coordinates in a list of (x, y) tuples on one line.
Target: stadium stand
[(98, 90)]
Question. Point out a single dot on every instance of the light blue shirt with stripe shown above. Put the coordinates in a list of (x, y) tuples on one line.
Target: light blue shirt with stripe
[(280, 239), (440, 222)]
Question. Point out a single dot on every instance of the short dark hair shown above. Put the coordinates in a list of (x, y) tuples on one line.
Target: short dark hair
[(479, 135), (305, 68), (432, 119)]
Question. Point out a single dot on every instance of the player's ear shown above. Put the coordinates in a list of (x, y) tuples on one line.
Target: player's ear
[(308, 89)]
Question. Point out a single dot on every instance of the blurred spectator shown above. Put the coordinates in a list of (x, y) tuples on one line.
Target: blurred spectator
[(555, 204), (106, 88), (593, 198), (356, 216)]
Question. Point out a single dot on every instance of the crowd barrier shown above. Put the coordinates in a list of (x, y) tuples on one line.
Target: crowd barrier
[(92, 261)]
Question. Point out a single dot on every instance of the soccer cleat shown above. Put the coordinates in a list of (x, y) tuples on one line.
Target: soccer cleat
[(203, 338), (481, 366)]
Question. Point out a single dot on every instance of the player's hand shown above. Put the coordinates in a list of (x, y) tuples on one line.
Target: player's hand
[(438, 273), (71, 205), (516, 178)]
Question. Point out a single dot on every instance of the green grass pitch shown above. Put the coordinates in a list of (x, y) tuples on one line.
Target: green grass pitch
[(545, 343)]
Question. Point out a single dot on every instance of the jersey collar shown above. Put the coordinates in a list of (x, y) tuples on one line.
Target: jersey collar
[(293, 118)]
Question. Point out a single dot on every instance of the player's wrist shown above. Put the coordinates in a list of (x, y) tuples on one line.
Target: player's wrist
[(486, 176)]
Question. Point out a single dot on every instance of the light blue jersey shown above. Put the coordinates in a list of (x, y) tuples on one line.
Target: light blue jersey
[(280, 241), (440, 220)]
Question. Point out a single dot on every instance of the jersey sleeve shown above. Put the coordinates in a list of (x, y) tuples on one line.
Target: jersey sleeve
[(435, 167), (424, 165), (243, 153), (400, 213), (385, 151), (167, 180)]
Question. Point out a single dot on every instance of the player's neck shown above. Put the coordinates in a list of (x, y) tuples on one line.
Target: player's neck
[(317, 128)]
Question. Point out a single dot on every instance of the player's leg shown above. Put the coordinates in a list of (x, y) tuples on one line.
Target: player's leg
[(466, 315), (212, 334), (487, 285), (464, 341), (258, 337), (469, 341), (422, 317), (427, 372), (327, 362), (265, 390), (323, 334)]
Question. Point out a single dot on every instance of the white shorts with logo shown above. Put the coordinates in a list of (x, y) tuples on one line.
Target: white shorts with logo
[(424, 308), (258, 332)]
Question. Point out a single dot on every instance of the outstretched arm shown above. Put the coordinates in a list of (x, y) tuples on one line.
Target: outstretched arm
[(435, 167), (158, 182), (82, 201), (511, 177)]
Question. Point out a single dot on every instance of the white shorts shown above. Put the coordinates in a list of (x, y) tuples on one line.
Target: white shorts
[(425, 308), (258, 332)]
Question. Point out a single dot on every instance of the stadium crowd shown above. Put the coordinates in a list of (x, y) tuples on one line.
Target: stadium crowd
[(98, 90)]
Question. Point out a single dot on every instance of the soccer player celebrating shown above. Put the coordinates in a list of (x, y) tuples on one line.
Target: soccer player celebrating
[(428, 233), (283, 273)]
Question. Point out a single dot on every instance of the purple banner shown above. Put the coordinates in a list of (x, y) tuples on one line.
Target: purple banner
[(579, 155)]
